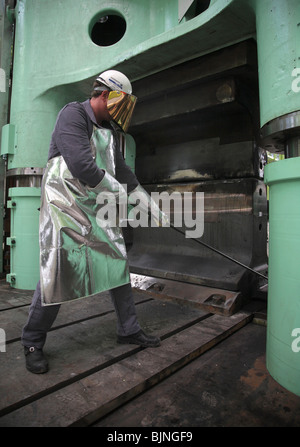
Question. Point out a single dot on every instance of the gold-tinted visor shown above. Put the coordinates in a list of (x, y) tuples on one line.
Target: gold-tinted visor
[(120, 106)]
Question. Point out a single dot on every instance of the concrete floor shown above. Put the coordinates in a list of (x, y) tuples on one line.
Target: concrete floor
[(228, 386)]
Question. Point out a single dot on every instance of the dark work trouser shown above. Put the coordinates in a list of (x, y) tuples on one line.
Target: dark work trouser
[(41, 318)]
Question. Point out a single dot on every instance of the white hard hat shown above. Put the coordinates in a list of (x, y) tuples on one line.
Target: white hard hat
[(115, 80)]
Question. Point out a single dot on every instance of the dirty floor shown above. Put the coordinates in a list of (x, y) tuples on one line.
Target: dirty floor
[(228, 386)]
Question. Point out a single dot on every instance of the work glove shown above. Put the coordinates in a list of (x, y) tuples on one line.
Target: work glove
[(109, 193), (144, 203), (109, 189)]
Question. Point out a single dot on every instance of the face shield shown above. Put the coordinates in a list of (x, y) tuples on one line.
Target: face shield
[(120, 106)]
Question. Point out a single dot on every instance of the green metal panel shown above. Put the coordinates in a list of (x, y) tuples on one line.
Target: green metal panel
[(24, 241), (54, 50), (8, 139), (283, 356), (55, 59)]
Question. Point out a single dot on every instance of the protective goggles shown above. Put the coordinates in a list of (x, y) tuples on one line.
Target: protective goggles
[(120, 106)]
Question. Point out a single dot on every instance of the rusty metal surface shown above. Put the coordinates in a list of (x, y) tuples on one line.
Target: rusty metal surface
[(229, 386), (218, 301), (200, 160)]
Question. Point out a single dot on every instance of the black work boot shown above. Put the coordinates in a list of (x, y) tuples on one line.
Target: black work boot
[(141, 339), (35, 360)]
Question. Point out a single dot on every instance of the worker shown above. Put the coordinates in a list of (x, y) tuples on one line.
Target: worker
[(78, 256)]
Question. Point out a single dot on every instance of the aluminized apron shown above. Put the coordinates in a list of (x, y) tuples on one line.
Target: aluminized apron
[(79, 258)]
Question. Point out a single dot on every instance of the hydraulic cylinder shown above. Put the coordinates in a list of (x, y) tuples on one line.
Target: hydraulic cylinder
[(278, 43), (283, 329)]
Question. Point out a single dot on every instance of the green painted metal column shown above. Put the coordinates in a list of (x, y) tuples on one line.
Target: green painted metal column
[(283, 330), (278, 40), (6, 42), (278, 45)]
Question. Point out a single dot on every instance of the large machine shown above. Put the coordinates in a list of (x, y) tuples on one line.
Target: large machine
[(217, 85)]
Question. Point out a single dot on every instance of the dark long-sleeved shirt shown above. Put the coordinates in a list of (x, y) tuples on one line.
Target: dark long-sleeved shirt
[(71, 139)]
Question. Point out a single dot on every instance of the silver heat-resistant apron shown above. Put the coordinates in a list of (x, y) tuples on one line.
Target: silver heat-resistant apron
[(79, 258)]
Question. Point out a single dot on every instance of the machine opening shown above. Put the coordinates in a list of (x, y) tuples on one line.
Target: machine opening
[(202, 6), (196, 8), (108, 30)]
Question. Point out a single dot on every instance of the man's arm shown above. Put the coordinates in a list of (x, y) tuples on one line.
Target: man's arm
[(72, 140)]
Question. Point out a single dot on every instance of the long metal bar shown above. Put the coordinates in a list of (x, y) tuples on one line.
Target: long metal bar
[(222, 254)]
